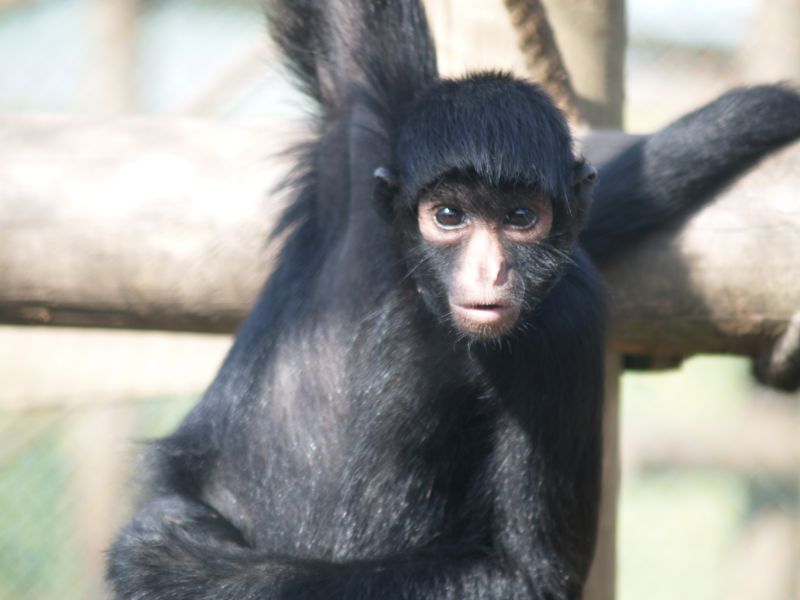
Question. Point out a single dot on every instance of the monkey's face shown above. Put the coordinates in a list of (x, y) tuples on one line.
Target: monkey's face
[(483, 257)]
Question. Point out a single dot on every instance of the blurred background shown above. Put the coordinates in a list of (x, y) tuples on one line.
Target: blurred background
[(709, 508)]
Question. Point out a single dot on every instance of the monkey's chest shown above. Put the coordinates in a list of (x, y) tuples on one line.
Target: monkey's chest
[(388, 483)]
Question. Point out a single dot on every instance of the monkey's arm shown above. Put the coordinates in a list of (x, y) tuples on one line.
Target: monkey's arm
[(681, 166), (179, 549)]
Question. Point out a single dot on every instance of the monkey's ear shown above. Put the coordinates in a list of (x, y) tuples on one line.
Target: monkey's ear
[(583, 182), (386, 186), (585, 173), (385, 177)]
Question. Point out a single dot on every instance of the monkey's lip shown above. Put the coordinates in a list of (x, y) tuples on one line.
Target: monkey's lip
[(482, 313)]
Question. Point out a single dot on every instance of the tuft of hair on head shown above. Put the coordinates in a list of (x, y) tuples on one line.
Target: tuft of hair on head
[(503, 129)]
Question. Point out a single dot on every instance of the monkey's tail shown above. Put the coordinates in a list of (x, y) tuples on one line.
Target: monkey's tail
[(682, 165), (332, 45)]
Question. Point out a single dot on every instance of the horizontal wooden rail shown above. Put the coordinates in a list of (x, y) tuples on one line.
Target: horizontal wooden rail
[(155, 224)]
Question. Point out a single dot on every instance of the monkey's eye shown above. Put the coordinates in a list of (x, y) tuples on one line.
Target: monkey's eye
[(450, 218), (521, 218)]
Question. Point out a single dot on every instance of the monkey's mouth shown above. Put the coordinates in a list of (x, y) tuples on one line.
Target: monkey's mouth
[(484, 314)]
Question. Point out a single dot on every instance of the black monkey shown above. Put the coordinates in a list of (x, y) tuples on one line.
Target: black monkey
[(412, 408)]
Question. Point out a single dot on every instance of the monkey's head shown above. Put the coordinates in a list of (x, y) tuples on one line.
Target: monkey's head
[(492, 197)]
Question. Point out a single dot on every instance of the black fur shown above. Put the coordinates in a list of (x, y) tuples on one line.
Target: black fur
[(661, 175), (515, 135), (353, 445)]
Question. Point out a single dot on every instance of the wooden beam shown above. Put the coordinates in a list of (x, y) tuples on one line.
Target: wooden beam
[(726, 279), (133, 223), (112, 30), (164, 225), (601, 584), (14, 3), (592, 37), (766, 444)]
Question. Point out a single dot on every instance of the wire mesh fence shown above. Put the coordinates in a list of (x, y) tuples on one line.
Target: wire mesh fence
[(76, 410)]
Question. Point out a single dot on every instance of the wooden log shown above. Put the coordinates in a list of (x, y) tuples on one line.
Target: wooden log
[(592, 36), (726, 280), (601, 583), (112, 33), (164, 225), (13, 3), (766, 559), (133, 223), (543, 59), (761, 443)]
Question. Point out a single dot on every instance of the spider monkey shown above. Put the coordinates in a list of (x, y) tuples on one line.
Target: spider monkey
[(412, 410)]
